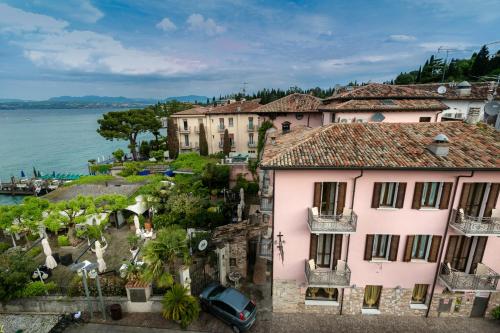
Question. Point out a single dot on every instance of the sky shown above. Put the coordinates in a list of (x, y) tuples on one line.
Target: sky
[(156, 49)]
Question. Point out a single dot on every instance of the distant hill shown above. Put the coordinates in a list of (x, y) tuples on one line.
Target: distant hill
[(91, 101), (101, 99), (187, 99)]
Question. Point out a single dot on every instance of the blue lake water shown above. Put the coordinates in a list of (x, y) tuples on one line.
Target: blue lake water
[(50, 140)]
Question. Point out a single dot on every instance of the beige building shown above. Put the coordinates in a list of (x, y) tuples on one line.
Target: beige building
[(238, 118)]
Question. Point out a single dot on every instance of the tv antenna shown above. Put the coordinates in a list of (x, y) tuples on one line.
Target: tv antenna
[(244, 89), (447, 50)]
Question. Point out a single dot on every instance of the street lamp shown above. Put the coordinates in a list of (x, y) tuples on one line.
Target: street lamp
[(88, 268)]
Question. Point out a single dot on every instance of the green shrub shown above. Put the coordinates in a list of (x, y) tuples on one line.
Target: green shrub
[(249, 187), (130, 168), (178, 305), (38, 288), (15, 273), (157, 154), (96, 179), (34, 251), (495, 313), (62, 240), (4, 247), (100, 168)]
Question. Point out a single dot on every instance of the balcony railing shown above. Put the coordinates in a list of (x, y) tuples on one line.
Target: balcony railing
[(221, 127), (266, 205), (184, 130), (221, 144), (252, 127), (252, 144), (188, 145), (337, 224), (327, 278), (474, 226), (454, 280)]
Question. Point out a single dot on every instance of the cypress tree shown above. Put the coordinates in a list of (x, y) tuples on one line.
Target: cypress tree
[(172, 139), (226, 144), (480, 65), (203, 141)]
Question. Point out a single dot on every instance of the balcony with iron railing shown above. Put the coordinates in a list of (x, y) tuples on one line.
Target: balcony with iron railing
[(184, 130), (474, 226), (485, 279), (252, 127), (344, 223), (327, 278), (252, 144)]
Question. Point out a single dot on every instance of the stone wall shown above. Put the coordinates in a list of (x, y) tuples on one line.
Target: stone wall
[(290, 297), (461, 304), (63, 304), (493, 303)]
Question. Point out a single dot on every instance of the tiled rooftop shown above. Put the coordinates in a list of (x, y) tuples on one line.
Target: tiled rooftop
[(384, 146), (197, 111), (292, 103), (379, 90), (236, 107), (479, 90), (385, 105)]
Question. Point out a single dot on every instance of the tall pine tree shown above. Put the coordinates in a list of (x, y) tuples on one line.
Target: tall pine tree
[(480, 65), (226, 143), (203, 141), (172, 139)]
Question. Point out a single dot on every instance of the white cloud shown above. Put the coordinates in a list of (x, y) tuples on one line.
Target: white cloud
[(166, 25), (434, 46), (401, 38), (17, 21), (86, 11), (50, 44), (341, 63), (196, 22)]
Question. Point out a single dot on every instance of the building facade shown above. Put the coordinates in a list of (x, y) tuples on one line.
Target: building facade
[(385, 219)]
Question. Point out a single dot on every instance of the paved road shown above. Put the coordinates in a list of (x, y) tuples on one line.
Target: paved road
[(290, 323)]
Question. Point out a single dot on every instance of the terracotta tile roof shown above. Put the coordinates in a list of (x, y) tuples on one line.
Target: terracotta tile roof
[(379, 90), (385, 105), (196, 111), (237, 107), (292, 103), (479, 90), (384, 146)]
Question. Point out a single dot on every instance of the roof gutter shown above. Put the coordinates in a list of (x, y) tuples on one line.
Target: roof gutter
[(380, 168), (447, 227)]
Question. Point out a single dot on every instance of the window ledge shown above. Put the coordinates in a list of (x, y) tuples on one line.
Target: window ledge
[(379, 261), (370, 311), (419, 261), (388, 208), (418, 306), (429, 209), (321, 302)]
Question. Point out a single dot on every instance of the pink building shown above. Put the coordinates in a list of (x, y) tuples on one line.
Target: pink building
[(385, 218)]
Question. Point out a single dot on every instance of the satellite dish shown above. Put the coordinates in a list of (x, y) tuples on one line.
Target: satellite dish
[(441, 90), (378, 117), (492, 108), (202, 245)]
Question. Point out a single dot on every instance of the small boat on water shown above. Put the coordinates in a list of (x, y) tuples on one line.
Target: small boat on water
[(35, 186)]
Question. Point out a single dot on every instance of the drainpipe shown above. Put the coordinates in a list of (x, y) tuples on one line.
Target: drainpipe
[(437, 114), (272, 233), (349, 235), (440, 257)]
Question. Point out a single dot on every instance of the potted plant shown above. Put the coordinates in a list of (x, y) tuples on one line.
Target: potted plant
[(133, 242), (179, 306), (148, 225)]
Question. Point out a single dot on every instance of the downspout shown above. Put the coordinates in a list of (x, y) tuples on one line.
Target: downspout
[(272, 234), (349, 235), (308, 118), (437, 114), (440, 257)]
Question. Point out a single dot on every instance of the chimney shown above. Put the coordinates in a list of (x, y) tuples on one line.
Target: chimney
[(464, 88), (440, 145)]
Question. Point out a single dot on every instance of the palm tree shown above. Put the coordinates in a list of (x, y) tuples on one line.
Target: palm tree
[(161, 254)]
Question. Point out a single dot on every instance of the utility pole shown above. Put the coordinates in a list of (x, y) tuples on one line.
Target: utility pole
[(244, 89)]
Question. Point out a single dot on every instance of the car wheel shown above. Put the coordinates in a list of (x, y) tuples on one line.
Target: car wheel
[(236, 329)]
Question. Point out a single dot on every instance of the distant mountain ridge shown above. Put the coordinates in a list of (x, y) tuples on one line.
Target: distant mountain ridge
[(92, 101)]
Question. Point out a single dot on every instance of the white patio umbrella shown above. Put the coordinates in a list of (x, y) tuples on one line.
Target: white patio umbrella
[(99, 254), (50, 262), (137, 225), (240, 212)]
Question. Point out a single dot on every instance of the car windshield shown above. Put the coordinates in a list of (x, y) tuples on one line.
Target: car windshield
[(217, 290), (249, 309)]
